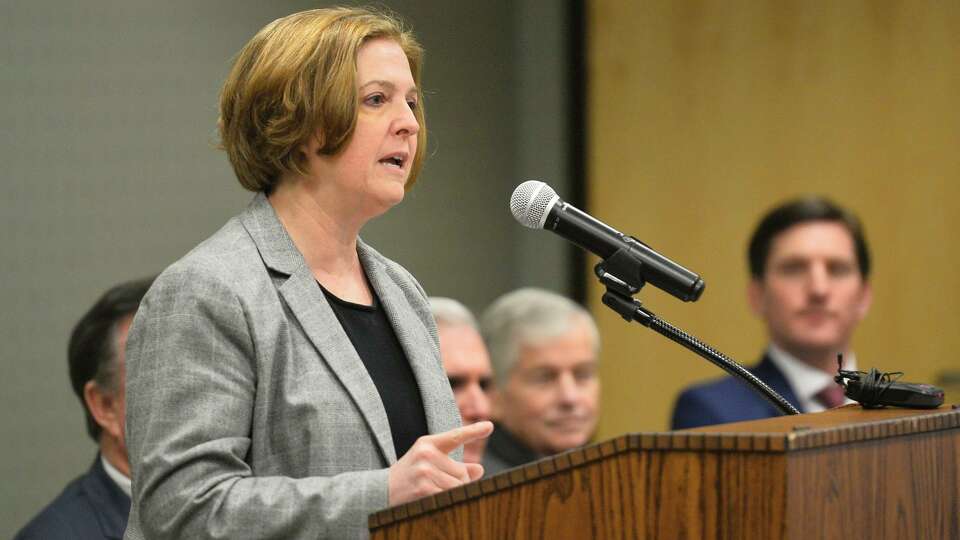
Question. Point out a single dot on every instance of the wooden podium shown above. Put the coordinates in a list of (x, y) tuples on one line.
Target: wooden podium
[(847, 473)]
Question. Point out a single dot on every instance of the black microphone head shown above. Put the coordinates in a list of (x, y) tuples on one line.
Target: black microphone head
[(531, 203)]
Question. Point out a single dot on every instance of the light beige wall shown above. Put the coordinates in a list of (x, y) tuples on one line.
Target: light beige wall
[(704, 114)]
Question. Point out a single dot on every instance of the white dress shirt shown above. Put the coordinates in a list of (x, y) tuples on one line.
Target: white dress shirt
[(805, 380), (118, 477)]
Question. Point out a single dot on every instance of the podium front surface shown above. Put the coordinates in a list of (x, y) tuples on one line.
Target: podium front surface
[(847, 473)]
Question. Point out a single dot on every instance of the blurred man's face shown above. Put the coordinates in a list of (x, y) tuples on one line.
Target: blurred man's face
[(811, 295), (467, 363), (550, 399)]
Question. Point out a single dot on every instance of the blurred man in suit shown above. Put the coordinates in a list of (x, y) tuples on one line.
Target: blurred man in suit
[(809, 266), (544, 349), (96, 504), (467, 364)]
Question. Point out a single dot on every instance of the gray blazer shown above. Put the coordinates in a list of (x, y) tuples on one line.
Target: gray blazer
[(249, 413)]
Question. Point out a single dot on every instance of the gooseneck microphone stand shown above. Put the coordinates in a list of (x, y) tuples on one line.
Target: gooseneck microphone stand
[(619, 297)]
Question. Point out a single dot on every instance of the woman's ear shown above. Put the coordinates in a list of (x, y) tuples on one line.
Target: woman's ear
[(313, 146)]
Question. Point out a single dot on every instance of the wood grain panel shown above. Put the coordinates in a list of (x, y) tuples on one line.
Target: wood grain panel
[(906, 487), (843, 473)]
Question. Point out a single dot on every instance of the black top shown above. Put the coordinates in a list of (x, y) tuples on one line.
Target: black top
[(381, 353)]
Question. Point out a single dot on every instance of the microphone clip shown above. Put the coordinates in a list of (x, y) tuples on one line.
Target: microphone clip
[(621, 272), (619, 294)]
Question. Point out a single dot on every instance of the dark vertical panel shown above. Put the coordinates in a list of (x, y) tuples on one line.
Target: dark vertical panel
[(577, 155)]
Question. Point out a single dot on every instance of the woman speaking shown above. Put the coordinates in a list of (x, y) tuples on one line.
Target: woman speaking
[(277, 371)]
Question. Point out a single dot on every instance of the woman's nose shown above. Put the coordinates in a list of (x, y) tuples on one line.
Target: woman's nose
[(406, 122)]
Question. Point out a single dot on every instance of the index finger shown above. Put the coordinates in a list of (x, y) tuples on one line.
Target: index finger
[(448, 441)]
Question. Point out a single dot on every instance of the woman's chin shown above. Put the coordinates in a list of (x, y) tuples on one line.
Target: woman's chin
[(381, 204), (392, 196)]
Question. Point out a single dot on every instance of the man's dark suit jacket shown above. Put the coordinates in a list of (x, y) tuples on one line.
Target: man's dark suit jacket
[(731, 400), (505, 451), (91, 507)]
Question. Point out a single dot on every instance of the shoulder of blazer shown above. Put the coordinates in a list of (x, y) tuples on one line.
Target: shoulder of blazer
[(729, 399), (91, 506), (220, 265)]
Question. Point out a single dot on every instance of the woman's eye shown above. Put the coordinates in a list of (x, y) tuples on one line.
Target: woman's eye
[(375, 99), (412, 103)]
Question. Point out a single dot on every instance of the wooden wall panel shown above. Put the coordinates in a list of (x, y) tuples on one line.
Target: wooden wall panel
[(703, 114)]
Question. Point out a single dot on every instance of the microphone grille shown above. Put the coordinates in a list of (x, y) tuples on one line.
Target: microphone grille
[(531, 202)]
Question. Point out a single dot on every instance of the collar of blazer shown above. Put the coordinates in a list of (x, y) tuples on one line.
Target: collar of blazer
[(308, 304)]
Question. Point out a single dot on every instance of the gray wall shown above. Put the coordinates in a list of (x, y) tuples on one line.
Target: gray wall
[(110, 173)]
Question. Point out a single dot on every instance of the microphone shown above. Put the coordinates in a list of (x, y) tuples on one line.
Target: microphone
[(536, 205)]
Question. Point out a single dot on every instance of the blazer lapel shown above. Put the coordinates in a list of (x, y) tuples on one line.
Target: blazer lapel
[(309, 306), (416, 341), (768, 372)]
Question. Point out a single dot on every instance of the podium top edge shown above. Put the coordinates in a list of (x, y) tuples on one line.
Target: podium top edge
[(843, 425)]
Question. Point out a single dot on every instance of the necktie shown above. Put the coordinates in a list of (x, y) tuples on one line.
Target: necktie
[(831, 396)]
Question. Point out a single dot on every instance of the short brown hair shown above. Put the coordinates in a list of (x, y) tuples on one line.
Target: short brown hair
[(297, 79), (804, 210)]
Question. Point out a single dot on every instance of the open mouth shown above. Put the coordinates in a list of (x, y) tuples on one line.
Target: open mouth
[(393, 161)]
